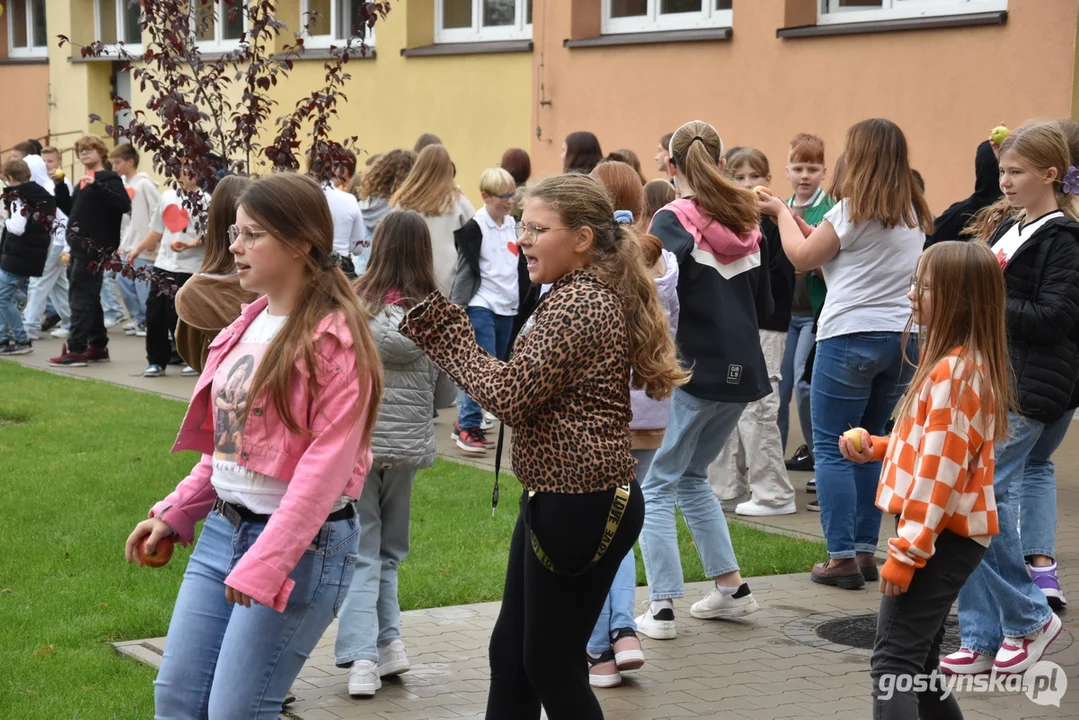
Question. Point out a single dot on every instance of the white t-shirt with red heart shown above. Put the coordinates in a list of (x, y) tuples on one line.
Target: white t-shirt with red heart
[(499, 289), (173, 220)]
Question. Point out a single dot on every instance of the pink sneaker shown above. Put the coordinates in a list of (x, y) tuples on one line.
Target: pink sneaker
[(603, 671), (966, 662), (628, 654), (1017, 654)]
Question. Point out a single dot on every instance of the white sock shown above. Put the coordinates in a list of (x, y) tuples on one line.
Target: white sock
[(1046, 568), (658, 605), (724, 590)]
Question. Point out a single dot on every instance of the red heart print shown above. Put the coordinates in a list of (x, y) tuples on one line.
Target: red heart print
[(131, 193), (176, 218), (83, 183), (513, 247)]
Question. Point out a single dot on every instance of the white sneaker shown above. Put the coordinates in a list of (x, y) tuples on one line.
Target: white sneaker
[(33, 335), (965, 662), (60, 333), (392, 659), (363, 679), (731, 504), (110, 324), (659, 626), (1016, 654), (718, 605), (755, 509)]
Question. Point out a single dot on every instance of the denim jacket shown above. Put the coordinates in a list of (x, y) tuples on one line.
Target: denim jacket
[(330, 461)]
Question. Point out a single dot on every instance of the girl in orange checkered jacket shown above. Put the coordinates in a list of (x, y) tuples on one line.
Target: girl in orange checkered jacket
[(937, 477)]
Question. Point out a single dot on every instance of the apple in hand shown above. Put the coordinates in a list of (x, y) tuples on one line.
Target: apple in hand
[(159, 557), (854, 437), (761, 189), (1000, 134)]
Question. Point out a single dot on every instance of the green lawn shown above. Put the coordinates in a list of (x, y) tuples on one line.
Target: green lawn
[(83, 461)]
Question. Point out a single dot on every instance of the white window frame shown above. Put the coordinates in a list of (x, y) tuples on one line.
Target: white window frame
[(520, 30), (31, 50), (654, 21), (829, 12), (132, 48), (221, 10), (325, 41)]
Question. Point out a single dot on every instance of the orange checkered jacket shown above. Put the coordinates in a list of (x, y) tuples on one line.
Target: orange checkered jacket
[(938, 468)]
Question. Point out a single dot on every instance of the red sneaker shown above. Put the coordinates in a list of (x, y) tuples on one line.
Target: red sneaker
[(471, 441), (69, 359), (96, 354)]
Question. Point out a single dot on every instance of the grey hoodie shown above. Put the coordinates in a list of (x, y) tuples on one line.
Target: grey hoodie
[(412, 387), (136, 224)]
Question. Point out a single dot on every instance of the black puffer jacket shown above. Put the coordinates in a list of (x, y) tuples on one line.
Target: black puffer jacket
[(25, 254), (1042, 280)]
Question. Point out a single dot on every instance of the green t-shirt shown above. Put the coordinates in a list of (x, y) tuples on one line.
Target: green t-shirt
[(813, 213)]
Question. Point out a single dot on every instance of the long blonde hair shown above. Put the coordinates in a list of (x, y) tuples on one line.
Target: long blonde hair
[(294, 210), (696, 149), (1044, 145), (878, 182), (616, 259), (429, 188), (966, 312)]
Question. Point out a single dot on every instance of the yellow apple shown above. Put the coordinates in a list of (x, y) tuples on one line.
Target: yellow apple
[(59, 175), (999, 134), (854, 436), (761, 188)]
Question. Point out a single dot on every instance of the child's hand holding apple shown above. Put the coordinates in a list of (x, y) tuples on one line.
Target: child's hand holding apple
[(767, 203), (856, 445)]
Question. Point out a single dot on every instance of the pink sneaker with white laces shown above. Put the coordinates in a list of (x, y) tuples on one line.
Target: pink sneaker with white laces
[(1017, 654), (966, 662)]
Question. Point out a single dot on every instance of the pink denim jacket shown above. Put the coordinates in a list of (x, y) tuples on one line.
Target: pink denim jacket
[(318, 469)]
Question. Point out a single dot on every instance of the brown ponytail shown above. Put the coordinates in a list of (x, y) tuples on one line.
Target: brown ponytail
[(696, 149)]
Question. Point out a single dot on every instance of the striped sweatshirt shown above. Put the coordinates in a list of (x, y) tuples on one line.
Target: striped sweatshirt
[(938, 467)]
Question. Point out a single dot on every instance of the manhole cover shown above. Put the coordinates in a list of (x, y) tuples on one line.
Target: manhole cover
[(859, 631)]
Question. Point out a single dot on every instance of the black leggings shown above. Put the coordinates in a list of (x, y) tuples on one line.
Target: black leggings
[(539, 641)]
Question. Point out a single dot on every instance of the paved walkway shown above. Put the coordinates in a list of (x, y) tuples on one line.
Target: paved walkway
[(771, 665)]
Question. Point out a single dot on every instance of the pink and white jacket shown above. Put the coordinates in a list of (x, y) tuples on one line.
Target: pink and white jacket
[(331, 462)]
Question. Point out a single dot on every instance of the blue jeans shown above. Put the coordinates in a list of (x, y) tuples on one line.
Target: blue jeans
[(1038, 492), (111, 303), (11, 326), (800, 339), (697, 431), (999, 599), (617, 611), (135, 292), (51, 286), (857, 381), (226, 661), (493, 335), (371, 615)]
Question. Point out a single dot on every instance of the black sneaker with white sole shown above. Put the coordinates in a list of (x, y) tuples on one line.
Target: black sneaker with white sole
[(16, 348)]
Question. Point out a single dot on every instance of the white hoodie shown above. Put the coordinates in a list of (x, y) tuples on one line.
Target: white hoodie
[(136, 224), (40, 174)]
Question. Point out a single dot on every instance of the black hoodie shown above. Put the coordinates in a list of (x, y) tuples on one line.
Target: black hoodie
[(986, 192), (94, 212), (26, 254)]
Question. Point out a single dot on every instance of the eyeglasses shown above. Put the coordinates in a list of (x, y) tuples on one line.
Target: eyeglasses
[(507, 196), (533, 231), (246, 234), (916, 286)]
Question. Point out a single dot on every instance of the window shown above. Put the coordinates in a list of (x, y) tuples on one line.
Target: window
[(334, 21), (482, 20), (218, 23), (632, 16), (119, 21), (848, 11), (26, 33)]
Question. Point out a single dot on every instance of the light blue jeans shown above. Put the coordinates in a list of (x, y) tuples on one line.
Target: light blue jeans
[(800, 339), (617, 611), (371, 615), (697, 432), (999, 599), (226, 661), (11, 326), (51, 286), (111, 302), (857, 381), (1038, 495), (135, 292)]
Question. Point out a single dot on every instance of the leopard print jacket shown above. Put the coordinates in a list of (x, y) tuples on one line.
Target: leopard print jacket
[(565, 391)]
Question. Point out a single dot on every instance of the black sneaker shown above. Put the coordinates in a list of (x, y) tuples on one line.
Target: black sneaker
[(811, 486), (16, 348), (802, 460), (813, 506), (51, 321)]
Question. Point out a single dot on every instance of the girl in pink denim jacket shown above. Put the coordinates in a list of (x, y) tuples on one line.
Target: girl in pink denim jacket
[(283, 415)]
